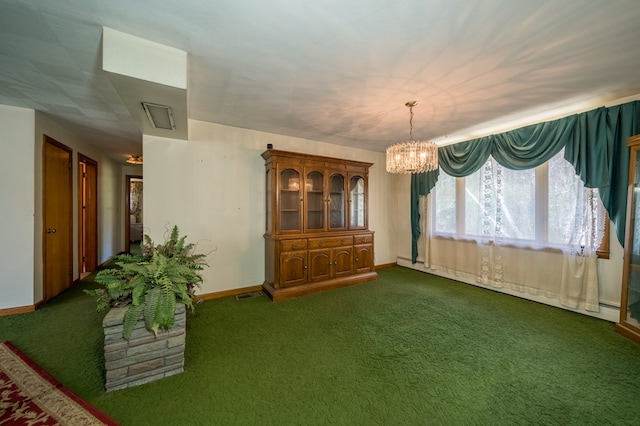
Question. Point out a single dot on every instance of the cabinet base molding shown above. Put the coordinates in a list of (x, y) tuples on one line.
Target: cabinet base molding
[(628, 332), (278, 294)]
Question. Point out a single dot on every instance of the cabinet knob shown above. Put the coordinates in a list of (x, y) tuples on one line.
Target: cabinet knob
[(357, 259), (294, 246), (320, 243), (335, 263), (342, 241)]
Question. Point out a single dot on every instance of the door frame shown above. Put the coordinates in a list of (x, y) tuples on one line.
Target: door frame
[(90, 245), (127, 214)]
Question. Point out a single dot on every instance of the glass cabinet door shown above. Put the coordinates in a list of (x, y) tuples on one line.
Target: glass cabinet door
[(357, 203), (290, 200), (315, 201), (629, 324), (633, 282), (337, 198)]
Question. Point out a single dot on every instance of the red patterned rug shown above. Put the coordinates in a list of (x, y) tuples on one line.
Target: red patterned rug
[(30, 396)]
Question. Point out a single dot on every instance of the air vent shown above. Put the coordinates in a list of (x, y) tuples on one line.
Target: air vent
[(251, 295), (160, 116)]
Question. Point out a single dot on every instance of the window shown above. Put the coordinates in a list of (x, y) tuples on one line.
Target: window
[(533, 207)]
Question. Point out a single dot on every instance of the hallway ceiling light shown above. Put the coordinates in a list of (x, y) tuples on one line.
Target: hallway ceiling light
[(412, 156), (134, 159)]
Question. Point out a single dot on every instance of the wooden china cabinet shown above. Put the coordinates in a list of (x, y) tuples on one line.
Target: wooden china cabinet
[(629, 324), (317, 236)]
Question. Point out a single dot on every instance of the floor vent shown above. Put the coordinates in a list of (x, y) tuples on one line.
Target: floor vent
[(251, 295)]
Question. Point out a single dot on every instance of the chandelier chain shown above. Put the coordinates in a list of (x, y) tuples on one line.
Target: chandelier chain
[(411, 122)]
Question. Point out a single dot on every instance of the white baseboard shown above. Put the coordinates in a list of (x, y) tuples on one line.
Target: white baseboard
[(607, 312)]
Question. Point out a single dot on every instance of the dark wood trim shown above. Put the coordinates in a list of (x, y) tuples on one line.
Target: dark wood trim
[(17, 310), (227, 293), (628, 331), (278, 294), (386, 265), (86, 160), (302, 158), (603, 250)]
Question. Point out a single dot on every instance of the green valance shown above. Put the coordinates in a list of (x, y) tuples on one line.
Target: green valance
[(531, 146), (465, 158), (594, 142)]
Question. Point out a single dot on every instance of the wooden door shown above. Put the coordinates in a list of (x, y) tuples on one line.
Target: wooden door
[(57, 218), (87, 214)]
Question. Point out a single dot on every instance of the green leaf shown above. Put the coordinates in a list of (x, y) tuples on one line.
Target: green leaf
[(130, 319), (154, 281)]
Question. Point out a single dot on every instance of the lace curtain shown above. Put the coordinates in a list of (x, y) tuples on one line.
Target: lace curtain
[(579, 273), (494, 258)]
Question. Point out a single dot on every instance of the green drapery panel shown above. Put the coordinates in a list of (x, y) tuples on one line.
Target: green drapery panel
[(421, 184), (594, 142), (587, 148), (623, 121)]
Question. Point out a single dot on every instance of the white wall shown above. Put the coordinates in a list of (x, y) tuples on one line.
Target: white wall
[(17, 206), (213, 188)]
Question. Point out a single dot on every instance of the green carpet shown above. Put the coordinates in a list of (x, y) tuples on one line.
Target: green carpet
[(408, 349)]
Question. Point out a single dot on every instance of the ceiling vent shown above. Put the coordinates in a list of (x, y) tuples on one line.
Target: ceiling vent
[(160, 116)]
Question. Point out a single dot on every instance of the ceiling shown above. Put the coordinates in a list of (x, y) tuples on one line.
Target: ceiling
[(333, 71)]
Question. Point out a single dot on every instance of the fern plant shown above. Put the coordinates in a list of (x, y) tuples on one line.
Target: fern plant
[(152, 282)]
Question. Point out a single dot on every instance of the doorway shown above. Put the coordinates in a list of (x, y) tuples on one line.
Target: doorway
[(57, 201), (134, 227), (87, 215)]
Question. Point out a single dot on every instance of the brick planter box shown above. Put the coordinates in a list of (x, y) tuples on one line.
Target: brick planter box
[(144, 357)]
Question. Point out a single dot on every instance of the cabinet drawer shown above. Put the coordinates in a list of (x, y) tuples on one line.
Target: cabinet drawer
[(330, 242), (363, 238), (289, 245)]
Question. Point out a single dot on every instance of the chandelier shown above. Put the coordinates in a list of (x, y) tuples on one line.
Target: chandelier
[(412, 156)]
